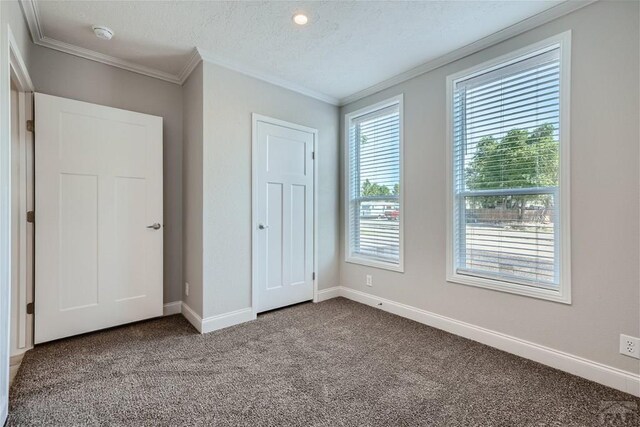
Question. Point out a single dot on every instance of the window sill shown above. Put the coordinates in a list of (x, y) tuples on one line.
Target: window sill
[(561, 295), (399, 268)]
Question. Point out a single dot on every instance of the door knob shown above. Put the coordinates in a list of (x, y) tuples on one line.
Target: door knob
[(262, 226), (155, 226)]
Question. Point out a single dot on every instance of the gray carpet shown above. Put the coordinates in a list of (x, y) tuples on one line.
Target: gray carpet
[(337, 363)]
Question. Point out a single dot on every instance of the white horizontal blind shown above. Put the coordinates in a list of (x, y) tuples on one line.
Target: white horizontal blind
[(374, 185), (506, 125)]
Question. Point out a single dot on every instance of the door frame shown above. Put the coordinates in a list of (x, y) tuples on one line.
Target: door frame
[(255, 118), (14, 66), (20, 76)]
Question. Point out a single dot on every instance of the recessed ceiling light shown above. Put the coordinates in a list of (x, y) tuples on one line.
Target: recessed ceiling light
[(102, 32), (300, 18)]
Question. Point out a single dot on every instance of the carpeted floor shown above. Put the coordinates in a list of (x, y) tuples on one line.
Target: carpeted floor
[(337, 363)]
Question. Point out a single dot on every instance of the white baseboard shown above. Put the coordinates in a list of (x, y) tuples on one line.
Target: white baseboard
[(14, 365), (172, 308), (192, 317), (328, 293), (618, 379), (225, 320), (219, 321)]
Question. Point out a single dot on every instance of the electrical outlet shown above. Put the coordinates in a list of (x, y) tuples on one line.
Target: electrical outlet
[(369, 280), (630, 346), (186, 288)]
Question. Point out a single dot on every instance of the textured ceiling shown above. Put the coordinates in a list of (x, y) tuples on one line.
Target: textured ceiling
[(346, 47)]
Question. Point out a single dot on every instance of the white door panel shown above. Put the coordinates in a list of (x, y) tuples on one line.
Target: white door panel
[(78, 237), (98, 187), (284, 212)]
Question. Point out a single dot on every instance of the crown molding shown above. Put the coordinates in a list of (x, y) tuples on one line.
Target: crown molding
[(32, 16), (106, 59), (495, 38), (231, 65), (191, 64), (31, 13)]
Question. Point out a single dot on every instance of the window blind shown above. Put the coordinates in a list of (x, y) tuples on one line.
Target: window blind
[(374, 185), (506, 124)]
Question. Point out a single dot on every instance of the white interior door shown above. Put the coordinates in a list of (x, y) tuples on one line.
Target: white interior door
[(98, 190), (283, 214)]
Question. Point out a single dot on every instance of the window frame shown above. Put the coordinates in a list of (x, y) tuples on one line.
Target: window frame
[(350, 257), (563, 293)]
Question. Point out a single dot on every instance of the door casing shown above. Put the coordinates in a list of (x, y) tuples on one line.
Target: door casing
[(22, 339), (255, 119), (14, 70)]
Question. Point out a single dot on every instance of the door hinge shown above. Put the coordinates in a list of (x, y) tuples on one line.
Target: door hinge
[(31, 216), (313, 276), (30, 308), (313, 155), (30, 125)]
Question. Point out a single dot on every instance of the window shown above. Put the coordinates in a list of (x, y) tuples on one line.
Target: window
[(508, 225), (374, 185)]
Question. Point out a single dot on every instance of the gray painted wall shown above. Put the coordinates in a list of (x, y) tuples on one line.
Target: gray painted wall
[(229, 100), (12, 16), (604, 198), (60, 74), (192, 98)]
